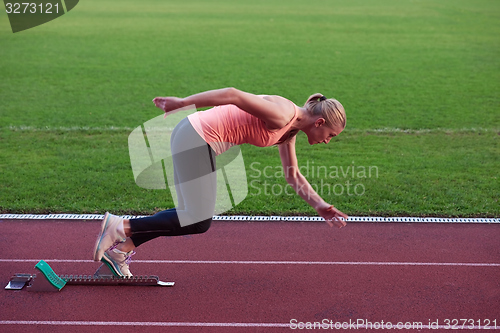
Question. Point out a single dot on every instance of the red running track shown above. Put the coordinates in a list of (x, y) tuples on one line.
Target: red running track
[(257, 277)]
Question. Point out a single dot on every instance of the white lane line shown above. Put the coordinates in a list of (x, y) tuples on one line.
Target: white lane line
[(382, 130), (139, 323), (206, 324), (261, 262), (24, 128), (247, 218)]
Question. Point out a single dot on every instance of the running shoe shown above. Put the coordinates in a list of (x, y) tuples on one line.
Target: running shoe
[(118, 262), (109, 235)]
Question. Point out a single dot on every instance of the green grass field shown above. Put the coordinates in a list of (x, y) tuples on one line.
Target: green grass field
[(419, 81)]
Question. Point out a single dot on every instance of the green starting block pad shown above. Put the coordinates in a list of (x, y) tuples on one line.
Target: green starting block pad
[(47, 280), (50, 280)]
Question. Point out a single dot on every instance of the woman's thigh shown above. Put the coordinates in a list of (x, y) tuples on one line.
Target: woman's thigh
[(195, 176)]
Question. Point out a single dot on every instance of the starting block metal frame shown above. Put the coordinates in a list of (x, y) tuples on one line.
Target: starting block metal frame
[(46, 280)]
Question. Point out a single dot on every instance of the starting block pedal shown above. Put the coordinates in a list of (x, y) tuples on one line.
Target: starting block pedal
[(48, 280), (18, 281)]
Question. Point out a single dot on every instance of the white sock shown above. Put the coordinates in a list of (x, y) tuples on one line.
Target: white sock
[(121, 230), (119, 251)]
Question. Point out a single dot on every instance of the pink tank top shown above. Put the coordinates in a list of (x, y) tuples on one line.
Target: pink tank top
[(227, 125)]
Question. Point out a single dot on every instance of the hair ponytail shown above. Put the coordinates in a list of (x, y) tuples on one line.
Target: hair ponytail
[(328, 108)]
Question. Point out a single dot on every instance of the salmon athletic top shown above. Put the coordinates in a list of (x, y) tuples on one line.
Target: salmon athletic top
[(227, 125)]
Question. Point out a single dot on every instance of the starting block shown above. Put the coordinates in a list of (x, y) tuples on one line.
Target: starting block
[(47, 280)]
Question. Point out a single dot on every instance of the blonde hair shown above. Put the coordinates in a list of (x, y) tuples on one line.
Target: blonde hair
[(328, 108)]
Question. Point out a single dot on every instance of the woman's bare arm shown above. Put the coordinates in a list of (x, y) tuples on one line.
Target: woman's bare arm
[(300, 184), (275, 114)]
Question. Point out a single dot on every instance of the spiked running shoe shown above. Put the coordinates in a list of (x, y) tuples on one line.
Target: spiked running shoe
[(118, 262), (109, 235)]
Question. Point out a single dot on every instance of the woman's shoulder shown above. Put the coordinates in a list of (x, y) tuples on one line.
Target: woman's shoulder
[(275, 98), (285, 104)]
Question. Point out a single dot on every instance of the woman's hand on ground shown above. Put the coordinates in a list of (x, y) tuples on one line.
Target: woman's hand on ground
[(332, 216)]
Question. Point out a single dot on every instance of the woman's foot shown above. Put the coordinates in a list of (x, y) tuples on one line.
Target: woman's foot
[(118, 262), (112, 233), (168, 104)]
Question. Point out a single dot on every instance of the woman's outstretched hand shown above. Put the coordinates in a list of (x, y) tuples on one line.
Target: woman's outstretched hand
[(332, 216), (168, 104)]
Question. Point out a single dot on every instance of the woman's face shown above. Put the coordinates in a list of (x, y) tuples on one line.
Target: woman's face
[(319, 132)]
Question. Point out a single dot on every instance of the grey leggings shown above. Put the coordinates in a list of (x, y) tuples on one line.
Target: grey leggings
[(195, 185)]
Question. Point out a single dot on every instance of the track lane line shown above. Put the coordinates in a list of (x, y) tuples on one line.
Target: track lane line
[(205, 324), (138, 323), (246, 218), (252, 262)]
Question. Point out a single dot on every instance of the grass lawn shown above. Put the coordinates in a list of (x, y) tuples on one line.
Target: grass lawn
[(419, 81)]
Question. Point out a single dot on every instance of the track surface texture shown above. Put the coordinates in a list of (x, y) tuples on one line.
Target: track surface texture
[(260, 277)]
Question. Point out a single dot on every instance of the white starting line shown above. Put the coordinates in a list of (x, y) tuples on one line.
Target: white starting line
[(264, 218), (262, 262)]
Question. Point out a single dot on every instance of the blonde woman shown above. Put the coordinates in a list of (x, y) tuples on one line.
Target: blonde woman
[(236, 117)]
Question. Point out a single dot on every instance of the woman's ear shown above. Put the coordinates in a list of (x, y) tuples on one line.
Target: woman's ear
[(319, 122)]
